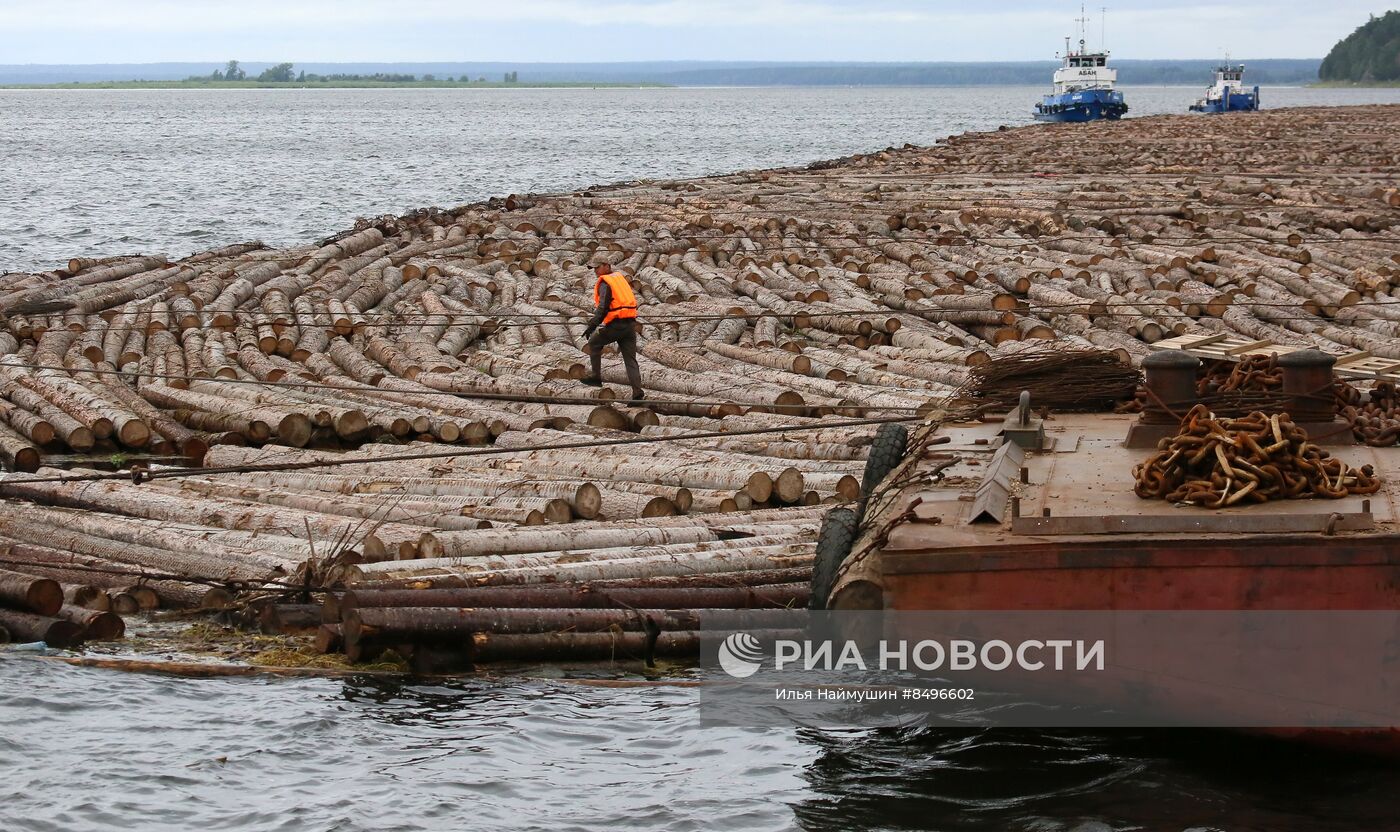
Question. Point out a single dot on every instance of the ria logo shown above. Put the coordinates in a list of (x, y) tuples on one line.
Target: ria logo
[(740, 655)]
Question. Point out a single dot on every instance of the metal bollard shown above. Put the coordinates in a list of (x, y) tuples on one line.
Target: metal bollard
[(1307, 381), (1170, 379)]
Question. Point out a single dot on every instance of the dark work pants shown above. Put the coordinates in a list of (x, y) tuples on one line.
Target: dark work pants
[(622, 333)]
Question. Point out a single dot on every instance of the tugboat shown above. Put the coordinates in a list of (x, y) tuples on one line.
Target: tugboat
[(1229, 93), (1083, 87)]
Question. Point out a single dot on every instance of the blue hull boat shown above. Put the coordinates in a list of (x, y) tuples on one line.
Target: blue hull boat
[(1084, 105), (1083, 87), (1228, 94)]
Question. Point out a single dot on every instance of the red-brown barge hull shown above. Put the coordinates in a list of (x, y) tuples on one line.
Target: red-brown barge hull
[(1228, 573)]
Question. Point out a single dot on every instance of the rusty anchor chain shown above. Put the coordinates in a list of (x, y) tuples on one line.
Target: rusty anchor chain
[(1216, 462)]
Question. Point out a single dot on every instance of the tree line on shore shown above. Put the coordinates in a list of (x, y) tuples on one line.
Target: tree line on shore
[(283, 74), (1370, 54)]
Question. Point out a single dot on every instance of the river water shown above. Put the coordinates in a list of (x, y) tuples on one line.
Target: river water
[(89, 172), (85, 749), (105, 172)]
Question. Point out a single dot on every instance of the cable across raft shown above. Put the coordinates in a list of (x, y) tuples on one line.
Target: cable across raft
[(389, 425)]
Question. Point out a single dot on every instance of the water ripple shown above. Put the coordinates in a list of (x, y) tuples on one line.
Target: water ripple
[(92, 171), (83, 749), (103, 749)]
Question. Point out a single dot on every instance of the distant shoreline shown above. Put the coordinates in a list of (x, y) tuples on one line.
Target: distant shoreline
[(454, 85), (1355, 85), (175, 75), (291, 85)]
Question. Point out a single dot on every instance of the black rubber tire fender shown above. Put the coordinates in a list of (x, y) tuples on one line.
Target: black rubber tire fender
[(838, 534), (886, 452)]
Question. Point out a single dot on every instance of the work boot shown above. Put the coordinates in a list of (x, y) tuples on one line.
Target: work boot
[(591, 381)]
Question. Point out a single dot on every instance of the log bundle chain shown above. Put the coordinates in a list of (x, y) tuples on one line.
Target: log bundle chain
[(864, 286), (1374, 416)]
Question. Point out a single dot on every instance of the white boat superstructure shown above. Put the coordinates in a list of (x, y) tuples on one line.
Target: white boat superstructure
[(1227, 76), (1084, 71)]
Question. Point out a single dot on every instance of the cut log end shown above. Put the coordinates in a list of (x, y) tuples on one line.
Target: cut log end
[(684, 499), (124, 603), (588, 501), (216, 598), (146, 598), (659, 507), (759, 487), (329, 639), (558, 511), (102, 428), (352, 424), (789, 486), (194, 448), (97, 625), (790, 402), (134, 434), (81, 440), (88, 597), (40, 596), (295, 429), (607, 417), (26, 460)]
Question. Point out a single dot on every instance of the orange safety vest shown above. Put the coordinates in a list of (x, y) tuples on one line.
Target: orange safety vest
[(624, 303)]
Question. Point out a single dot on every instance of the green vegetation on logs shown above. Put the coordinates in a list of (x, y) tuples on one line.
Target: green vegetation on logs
[(1368, 55)]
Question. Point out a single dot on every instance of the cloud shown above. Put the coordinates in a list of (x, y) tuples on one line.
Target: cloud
[(168, 15), (534, 30)]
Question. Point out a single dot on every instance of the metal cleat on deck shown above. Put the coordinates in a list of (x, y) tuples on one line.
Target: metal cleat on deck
[(1023, 427)]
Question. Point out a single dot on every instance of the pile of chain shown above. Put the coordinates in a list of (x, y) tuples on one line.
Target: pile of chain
[(1377, 421), (1218, 462)]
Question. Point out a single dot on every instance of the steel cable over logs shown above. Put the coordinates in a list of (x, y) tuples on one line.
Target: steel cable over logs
[(506, 320), (10, 480), (484, 396)]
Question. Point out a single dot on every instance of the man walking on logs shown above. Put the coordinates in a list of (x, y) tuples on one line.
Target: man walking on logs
[(617, 315)]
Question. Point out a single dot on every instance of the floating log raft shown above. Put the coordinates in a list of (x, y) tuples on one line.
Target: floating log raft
[(441, 353)]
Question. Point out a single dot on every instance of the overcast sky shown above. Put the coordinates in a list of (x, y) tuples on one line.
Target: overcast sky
[(136, 31)]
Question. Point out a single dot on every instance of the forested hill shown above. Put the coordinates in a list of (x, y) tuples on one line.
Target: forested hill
[(1371, 53)]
